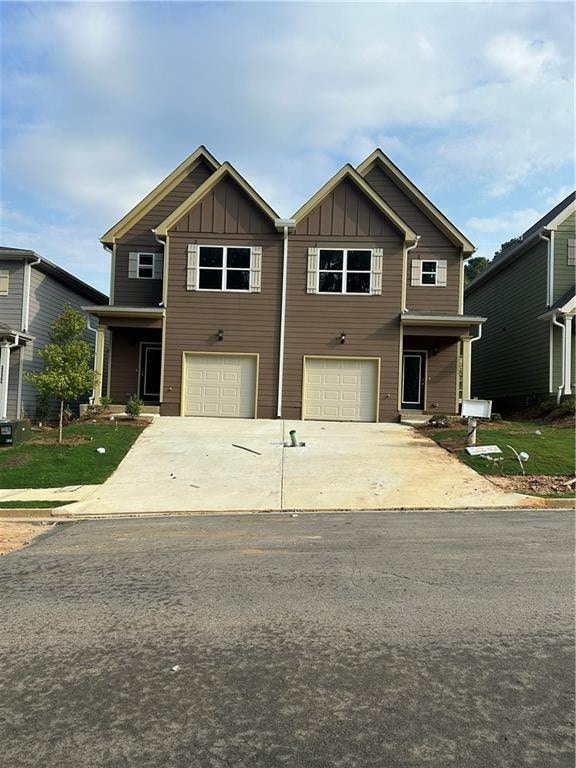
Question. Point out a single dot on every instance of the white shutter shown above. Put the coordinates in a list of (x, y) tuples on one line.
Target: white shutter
[(133, 265), (192, 268), (377, 258), (4, 282), (256, 269), (442, 272), (158, 266), (312, 281), (416, 272), (572, 253)]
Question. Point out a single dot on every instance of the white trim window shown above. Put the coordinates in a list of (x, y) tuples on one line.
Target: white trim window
[(145, 265), (345, 270), (224, 268), (429, 272)]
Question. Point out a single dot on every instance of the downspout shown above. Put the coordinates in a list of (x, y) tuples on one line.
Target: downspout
[(410, 248), (285, 225), (164, 304), (112, 268), (549, 266), (92, 397), (26, 293), (467, 363), (563, 356)]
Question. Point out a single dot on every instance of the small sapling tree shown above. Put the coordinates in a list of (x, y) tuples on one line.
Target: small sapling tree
[(67, 372)]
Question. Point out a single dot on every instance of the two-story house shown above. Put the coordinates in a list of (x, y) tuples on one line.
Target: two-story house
[(527, 351), (33, 292), (351, 310)]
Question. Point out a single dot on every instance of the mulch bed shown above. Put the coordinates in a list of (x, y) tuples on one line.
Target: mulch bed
[(540, 485)]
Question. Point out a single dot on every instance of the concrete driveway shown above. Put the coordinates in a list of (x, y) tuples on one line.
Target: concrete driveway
[(224, 465)]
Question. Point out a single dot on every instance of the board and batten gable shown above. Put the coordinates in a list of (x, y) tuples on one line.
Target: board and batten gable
[(250, 322), (433, 245), (48, 297), (147, 292), (564, 272), (11, 304), (345, 218), (511, 360)]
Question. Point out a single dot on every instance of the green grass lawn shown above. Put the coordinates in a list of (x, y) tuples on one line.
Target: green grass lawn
[(551, 453), (37, 465)]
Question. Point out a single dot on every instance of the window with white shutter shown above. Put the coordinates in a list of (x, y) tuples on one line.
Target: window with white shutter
[(312, 273), (256, 269), (192, 268), (145, 265), (572, 252), (234, 268), (377, 260), (4, 282), (429, 272)]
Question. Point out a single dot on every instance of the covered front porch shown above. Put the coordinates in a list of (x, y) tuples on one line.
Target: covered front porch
[(436, 361), (134, 358), (11, 343)]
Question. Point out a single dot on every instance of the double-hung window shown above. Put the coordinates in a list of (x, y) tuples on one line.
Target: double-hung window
[(146, 266), (224, 268), (429, 273), (344, 270)]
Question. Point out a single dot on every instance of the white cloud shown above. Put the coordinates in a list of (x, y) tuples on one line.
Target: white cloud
[(512, 222)]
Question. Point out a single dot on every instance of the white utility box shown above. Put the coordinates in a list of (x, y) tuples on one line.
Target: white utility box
[(476, 409)]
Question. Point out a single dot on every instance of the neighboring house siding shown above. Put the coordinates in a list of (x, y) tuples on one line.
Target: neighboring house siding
[(512, 358), (141, 293), (314, 322), (564, 275), (250, 321), (47, 300), (433, 245), (11, 305)]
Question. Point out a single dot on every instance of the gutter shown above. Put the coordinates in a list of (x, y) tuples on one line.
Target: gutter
[(112, 270), (562, 376), (284, 225), (405, 271)]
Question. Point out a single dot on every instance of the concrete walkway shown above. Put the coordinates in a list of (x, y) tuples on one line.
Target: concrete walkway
[(67, 493), (194, 465)]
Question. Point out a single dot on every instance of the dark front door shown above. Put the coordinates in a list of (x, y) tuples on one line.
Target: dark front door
[(150, 363), (414, 380)]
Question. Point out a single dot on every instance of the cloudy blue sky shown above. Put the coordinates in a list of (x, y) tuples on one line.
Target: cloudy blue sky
[(474, 101)]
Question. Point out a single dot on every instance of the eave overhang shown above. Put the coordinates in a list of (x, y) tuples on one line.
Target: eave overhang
[(444, 319), (135, 312)]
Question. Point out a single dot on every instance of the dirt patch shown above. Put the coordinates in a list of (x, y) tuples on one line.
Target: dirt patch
[(14, 536), (540, 485), (119, 419), (71, 441), (18, 460)]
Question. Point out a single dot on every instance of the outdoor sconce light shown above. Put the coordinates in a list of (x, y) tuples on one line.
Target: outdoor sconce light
[(342, 338), (220, 335), (435, 349)]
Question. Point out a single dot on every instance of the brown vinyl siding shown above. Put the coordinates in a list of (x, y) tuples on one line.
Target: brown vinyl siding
[(314, 322), (442, 371), (126, 359), (141, 293), (433, 245), (250, 321)]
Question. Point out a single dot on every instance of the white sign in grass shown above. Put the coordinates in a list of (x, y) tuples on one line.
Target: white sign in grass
[(482, 450)]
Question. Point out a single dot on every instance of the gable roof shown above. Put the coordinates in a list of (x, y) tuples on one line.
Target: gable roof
[(349, 172), (201, 154), (223, 171), (59, 274), (379, 158), (552, 219)]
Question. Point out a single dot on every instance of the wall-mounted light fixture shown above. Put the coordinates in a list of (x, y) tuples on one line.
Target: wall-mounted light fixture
[(435, 349), (220, 335), (342, 338)]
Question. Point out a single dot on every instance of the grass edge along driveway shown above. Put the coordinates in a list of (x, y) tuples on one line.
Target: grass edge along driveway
[(550, 453), (36, 464)]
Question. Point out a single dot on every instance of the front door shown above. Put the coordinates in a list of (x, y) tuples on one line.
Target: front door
[(414, 380), (150, 364)]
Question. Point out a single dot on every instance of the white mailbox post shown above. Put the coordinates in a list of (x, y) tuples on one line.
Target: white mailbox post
[(474, 410)]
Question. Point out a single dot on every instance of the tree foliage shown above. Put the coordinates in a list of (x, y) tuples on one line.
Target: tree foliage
[(67, 371), (505, 245), (474, 267)]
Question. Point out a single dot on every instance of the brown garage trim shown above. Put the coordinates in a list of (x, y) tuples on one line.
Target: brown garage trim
[(218, 354), (377, 360)]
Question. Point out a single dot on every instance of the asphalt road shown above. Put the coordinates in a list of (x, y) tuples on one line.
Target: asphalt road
[(353, 640)]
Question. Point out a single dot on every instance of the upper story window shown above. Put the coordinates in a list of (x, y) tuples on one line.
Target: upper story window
[(145, 265), (429, 272), (224, 268), (344, 270), (235, 268), (4, 282)]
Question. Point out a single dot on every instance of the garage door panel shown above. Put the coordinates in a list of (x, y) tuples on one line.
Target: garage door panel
[(341, 389), (220, 385)]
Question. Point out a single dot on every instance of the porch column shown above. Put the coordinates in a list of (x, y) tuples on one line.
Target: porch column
[(466, 368), (99, 361), (568, 355), (4, 377)]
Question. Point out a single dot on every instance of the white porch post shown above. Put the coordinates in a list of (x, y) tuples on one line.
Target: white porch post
[(568, 355), (466, 368), (4, 377), (99, 362)]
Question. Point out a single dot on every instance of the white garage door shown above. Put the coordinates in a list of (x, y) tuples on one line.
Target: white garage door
[(220, 385), (344, 389)]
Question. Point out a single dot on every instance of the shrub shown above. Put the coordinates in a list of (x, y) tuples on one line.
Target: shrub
[(134, 406), (439, 421)]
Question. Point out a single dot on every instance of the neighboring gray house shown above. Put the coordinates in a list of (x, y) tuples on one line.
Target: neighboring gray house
[(527, 349), (33, 292)]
